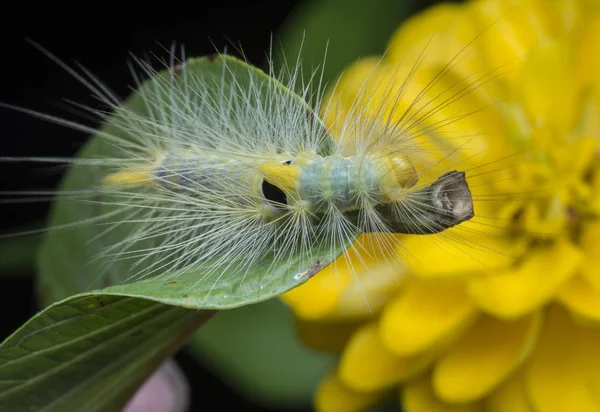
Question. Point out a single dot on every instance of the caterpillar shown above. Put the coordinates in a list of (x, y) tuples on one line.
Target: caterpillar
[(229, 170)]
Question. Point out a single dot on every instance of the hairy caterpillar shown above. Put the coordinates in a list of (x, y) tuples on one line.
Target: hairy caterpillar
[(227, 172)]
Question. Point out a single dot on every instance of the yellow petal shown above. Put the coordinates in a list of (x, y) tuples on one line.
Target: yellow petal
[(582, 298), (354, 286), (567, 16), (366, 296), (480, 360), (564, 366), (594, 382), (418, 396), (515, 292), (510, 396), (367, 365), (584, 150), (594, 204), (319, 296), (333, 396), (455, 254), (325, 336), (434, 57), (590, 243), (548, 89), (411, 38), (451, 40), (589, 47), (353, 89), (425, 314), (513, 27)]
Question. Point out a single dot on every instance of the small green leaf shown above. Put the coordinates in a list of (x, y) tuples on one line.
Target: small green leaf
[(90, 352), (255, 349)]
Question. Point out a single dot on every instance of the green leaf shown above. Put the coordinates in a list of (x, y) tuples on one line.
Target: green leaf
[(345, 29), (66, 258), (255, 350), (90, 352)]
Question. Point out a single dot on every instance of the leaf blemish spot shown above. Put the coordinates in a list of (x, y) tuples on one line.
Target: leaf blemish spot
[(171, 282), (316, 268)]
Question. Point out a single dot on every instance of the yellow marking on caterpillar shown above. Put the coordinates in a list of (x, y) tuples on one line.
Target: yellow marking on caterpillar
[(281, 175), (129, 177), (404, 170), (399, 173), (305, 158), (142, 176)]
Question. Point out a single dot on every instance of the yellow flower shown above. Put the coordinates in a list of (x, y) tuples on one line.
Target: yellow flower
[(513, 322)]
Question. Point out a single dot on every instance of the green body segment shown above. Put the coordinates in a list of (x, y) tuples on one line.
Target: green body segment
[(339, 182), (322, 182)]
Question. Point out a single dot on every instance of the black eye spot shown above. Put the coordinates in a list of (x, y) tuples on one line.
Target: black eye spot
[(274, 194), (287, 162)]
